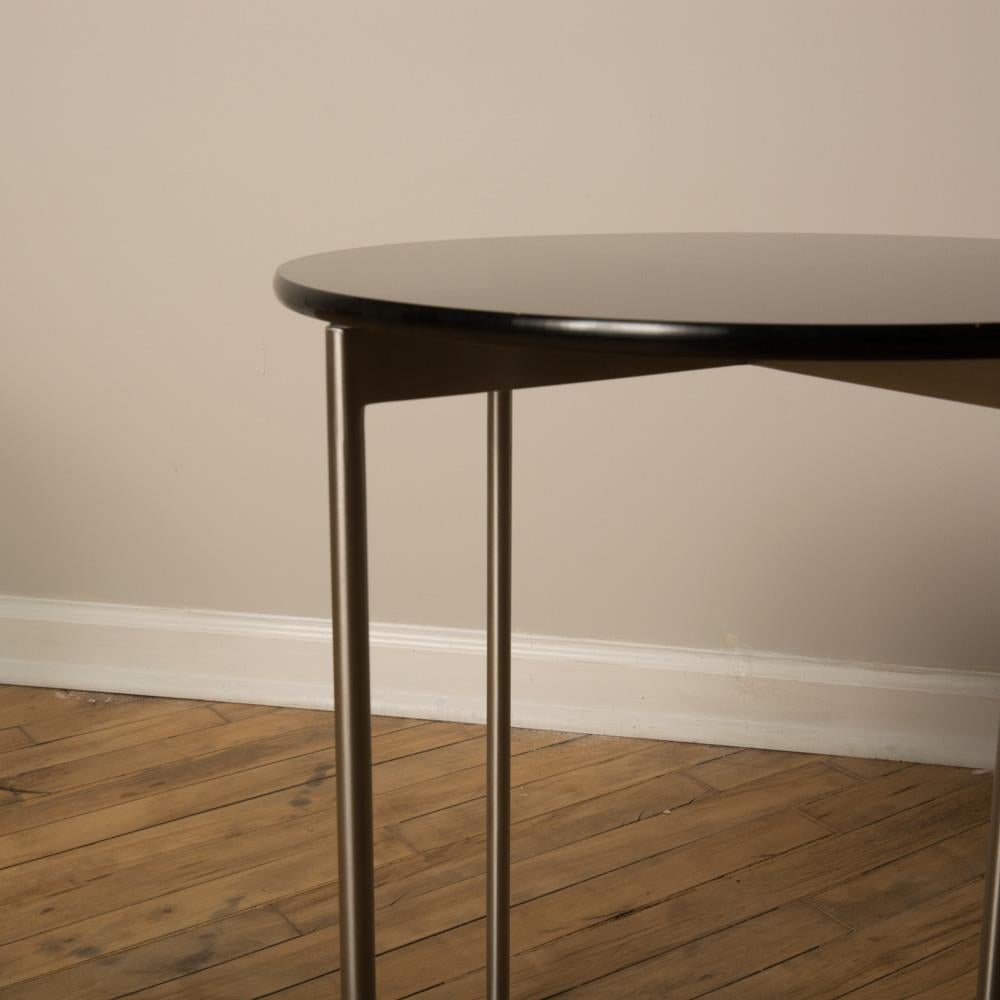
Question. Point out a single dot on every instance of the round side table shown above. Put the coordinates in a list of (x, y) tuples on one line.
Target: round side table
[(493, 315)]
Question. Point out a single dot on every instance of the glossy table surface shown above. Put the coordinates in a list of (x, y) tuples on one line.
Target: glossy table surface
[(494, 315), (741, 296)]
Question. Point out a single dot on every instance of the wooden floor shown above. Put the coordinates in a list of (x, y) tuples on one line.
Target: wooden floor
[(162, 849)]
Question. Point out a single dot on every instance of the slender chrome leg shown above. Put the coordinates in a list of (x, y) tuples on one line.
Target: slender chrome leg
[(989, 945), (498, 697), (348, 531)]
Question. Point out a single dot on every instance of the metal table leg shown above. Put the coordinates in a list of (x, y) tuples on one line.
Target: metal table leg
[(498, 696), (989, 947), (346, 440)]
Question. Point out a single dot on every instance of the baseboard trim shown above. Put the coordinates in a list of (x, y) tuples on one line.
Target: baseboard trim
[(733, 697)]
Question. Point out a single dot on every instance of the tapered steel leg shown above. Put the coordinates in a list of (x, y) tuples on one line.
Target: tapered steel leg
[(350, 664), (498, 697), (989, 945)]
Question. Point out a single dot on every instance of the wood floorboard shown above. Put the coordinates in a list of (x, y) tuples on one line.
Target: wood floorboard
[(907, 882), (103, 716), (162, 849), (746, 765), (694, 969), (191, 862), (117, 764), (943, 974), (233, 711), (845, 964), (888, 794), (13, 738), (22, 706)]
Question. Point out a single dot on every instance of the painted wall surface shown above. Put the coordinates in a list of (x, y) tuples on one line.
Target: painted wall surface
[(161, 416)]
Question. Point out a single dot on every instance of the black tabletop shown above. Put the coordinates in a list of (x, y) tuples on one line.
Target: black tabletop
[(744, 295)]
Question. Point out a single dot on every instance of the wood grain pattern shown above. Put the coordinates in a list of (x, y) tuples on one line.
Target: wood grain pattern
[(169, 850), (888, 794), (13, 738), (949, 973)]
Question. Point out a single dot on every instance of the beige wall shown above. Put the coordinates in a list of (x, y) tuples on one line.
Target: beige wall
[(161, 416)]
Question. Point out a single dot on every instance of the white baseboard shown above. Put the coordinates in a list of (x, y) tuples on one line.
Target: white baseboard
[(737, 698)]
